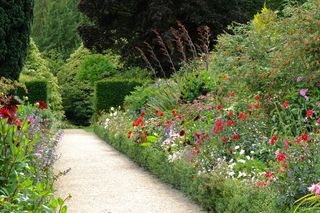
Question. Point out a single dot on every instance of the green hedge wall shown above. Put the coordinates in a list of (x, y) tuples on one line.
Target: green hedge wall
[(212, 192), (111, 93), (37, 90)]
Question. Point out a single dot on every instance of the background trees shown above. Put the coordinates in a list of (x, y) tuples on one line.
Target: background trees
[(126, 24), (54, 26), (15, 26)]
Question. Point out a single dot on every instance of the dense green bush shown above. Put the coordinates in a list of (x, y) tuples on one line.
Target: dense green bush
[(77, 78), (37, 90), (76, 95), (111, 93), (162, 94), (37, 68), (95, 67), (15, 27)]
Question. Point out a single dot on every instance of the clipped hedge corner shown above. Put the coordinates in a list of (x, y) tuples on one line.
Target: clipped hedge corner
[(111, 93), (36, 90)]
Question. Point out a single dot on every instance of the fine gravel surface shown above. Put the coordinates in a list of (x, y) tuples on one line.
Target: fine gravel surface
[(103, 180)]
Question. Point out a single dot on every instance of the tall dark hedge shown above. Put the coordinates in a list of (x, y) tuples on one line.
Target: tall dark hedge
[(15, 26), (111, 93)]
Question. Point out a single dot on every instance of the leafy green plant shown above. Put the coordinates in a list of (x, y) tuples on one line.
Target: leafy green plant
[(95, 67)]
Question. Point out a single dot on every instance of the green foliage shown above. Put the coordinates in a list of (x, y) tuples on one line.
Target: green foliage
[(55, 26), (37, 68), (111, 93), (15, 26), (37, 90), (27, 146), (274, 55), (77, 96), (95, 67), (194, 84), (163, 95)]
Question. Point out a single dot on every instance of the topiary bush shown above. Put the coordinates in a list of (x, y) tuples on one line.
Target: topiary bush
[(110, 93)]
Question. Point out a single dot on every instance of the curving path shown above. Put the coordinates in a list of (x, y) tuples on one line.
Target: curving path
[(103, 180)]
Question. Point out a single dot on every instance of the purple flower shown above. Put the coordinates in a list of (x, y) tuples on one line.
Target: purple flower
[(303, 93)]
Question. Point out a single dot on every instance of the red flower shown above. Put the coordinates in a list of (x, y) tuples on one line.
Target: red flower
[(219, 123), (182, 133), (257, 106), (143, 113), (129, 134), (304, 137), (18, 123), (257, 97), (268, 174), (219, 107), (309, 113), (242, 116), (281, 157), (297, 140), (174, 111), (224, 140), (230, 150), (236, 137), (215, 131), (285, 104), (232, 94), (168, 122), (229, 123), (249, 106), (230, 114), (41, 105), (179, 116), (261, 183)]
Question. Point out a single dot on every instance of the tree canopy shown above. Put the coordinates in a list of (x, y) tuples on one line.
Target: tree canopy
[(124, 25)]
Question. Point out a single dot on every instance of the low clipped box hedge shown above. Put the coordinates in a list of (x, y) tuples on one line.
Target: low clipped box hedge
[(111, 93), (214, 193), (36, 90)]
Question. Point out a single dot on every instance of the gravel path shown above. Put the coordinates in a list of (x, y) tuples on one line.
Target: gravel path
[(103, 180)]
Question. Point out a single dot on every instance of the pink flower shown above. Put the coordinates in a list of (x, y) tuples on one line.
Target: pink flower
[(318, 121), (303, 93), (287, 144), (315, 188)]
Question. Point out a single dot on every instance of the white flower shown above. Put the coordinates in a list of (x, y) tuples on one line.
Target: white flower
[(112, 108), (237, 147), (241, 161), (248, 157), (252, 152), (242, 152)]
